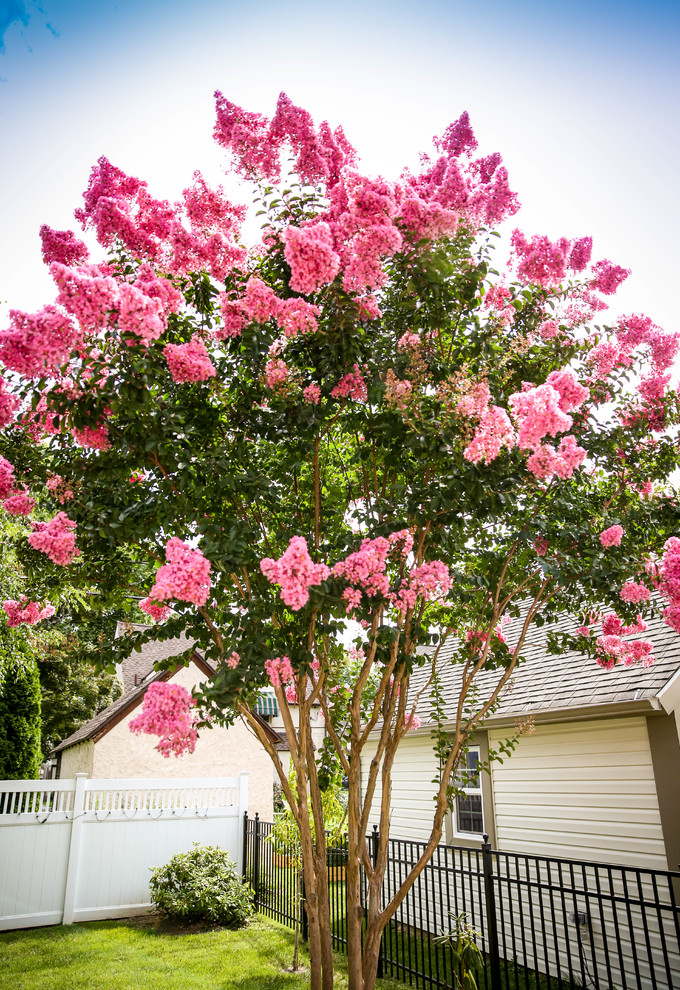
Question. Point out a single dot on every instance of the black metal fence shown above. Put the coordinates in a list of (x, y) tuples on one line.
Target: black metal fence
[(542, 924)]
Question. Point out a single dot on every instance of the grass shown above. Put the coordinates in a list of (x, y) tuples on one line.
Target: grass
[(143, 954)]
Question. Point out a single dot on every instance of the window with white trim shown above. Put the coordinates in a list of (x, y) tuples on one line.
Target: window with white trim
[(468, 813)]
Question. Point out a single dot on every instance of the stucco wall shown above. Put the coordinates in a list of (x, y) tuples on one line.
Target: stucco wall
[(220, 752), (77, 759)]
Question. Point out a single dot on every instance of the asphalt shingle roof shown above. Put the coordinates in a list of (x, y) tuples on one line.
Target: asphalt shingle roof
[(551, 683)]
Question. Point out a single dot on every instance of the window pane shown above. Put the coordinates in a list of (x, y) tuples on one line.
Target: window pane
[(469, 813), (472, 764)]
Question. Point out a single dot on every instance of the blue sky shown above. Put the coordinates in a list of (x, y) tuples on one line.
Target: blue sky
[(581, 99)]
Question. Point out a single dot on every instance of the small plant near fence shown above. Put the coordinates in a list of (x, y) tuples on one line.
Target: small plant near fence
[(201, 885), (466, 956)]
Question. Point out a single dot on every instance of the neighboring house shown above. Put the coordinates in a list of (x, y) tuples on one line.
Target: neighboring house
[(597, 779), (268, 707), (105, 746)]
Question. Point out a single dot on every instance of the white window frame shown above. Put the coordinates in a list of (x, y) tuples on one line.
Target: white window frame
[(470, 791)]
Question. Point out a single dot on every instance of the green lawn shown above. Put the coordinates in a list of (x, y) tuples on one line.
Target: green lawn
[(138, 955)]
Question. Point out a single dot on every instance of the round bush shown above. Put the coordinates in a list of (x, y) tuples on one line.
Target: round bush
[(201, 885)]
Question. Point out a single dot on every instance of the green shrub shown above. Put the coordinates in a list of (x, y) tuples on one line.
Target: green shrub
[(201, 885)]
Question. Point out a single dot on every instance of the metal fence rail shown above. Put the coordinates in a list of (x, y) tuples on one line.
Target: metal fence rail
[(542, 923)]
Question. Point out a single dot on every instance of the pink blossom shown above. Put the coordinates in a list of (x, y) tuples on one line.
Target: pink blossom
[(427, 581), (56, 539), (608, 277), (96, 437), (137, 477), (8, 405), (540, 261), (26, 612), (140, 314), (492, 434), (19, 505), (157, 287), (538, 414), (233, 660), (541, 546), (353, 598), (580, 254), (59, 489), (368, 307), (312, 394), (572, 393), (612, 650), (189, 362), (90, 296), (366, 567), (279, 670), (351, 386), (409, 341), (36, 345), (167, 712), (413, 722), (582, 631), (664, 348), (295, 572), (546, 461), (632, 592), (185, 576), (248, 138), (159, 613), (209, 211), (310, 254), (474, 401), (260, 302), (611, 537), (276, 373), (7, 479), (234, 317), (548, 329), (62, 246), (296, 316)]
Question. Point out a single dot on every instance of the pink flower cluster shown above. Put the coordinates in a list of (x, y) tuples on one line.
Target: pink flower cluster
[(167, 712), (25, 612), (119, 206), (608, 277), (428, 581), (611, 537), (494, 432), (185, 576), (547, 462), (276, 373), (189, 362), (669, 582), (351, 386), (20, 504), (365, 569), (59, 489), (279, 670), (158, 612), (295, 572), (7, 479), (36, 345), (474, 400), (56, 539), (62, 246), (296, 316), (613, 625), (538, 413), (95, 437), (612, 649), (541, 261), (634, 592), (309, 252), (8, 405), (233, 660)]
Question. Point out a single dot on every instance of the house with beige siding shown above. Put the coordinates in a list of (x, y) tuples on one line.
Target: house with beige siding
[(596, 778), (106, 748)]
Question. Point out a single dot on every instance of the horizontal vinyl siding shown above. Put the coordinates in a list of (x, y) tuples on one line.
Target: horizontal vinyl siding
[(412, 804), (580, 790)]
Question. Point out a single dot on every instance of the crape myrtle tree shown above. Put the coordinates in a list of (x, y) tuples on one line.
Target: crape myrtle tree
[(356, 418)]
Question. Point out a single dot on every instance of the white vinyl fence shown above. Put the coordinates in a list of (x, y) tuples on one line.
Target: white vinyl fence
[(81, 850)]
